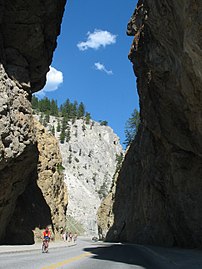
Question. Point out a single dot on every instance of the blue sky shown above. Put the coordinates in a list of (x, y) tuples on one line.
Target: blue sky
[(90, 63)]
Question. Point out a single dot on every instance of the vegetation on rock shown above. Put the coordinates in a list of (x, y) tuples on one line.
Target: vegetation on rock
[(131, 127)]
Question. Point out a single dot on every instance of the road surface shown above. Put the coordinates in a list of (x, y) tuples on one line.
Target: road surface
[(89, 255)]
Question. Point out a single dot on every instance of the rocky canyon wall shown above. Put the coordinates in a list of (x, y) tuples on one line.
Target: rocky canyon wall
[(158, 194), (28, 35), (44, 200)]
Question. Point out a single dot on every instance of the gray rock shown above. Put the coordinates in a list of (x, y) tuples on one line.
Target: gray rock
[(158, 196), (90, 160)]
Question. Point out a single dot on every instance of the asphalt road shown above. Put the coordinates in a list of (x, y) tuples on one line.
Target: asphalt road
[(88, 255)]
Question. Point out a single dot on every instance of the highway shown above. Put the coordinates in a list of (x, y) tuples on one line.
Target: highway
[(88, 255)]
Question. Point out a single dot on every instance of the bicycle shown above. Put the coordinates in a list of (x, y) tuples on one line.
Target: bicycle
[(45, 246)]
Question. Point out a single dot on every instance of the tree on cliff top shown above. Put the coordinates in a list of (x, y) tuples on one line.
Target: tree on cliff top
[(131, 127), (67, 109)]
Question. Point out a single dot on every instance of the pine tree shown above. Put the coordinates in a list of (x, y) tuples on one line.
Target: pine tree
[(63, 130), (44, 105), (53, 108), (58, 126), (103, 123), (35, 102), (131, 127), (74, 110), (47, 117), (62, 137), (67, 133), (88, 117), (81, 111)]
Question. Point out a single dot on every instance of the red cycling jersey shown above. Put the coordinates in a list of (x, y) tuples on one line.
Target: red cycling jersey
[(46, 233)]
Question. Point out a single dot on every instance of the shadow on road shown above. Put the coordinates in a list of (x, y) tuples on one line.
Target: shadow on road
[(126, 254), (149, 257)]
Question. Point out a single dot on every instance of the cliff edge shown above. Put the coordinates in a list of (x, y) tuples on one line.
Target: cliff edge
[(158, 195), (27, 40)]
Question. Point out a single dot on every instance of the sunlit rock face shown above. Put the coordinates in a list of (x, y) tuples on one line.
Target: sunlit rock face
[(50, 179), (89, 160), (158, 195), (27, 40), (44, 200)]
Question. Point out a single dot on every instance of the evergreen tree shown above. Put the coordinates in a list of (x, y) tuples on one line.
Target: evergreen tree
[(88, 117), (62, 137), (81, 111), (53, 108), (58, 126), (63, 129), (65, 109), (131, 127), (44, 105), (35, 102), (74, 109), (64, 122), (103, 123), (68, 106), (47, 117), (67, 133)]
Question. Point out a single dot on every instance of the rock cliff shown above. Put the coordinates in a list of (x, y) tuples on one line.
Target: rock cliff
[(51, 178), (157, 199), (44, 200), (89, 158), (27, 40), (89, 169)]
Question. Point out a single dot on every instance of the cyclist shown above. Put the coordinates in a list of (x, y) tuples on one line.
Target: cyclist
[(46, 239)]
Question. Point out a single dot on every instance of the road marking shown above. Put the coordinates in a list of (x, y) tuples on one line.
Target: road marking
[(73, 259)]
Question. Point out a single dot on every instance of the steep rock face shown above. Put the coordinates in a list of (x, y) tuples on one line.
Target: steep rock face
[(28, 37), (51, 178), (158, 198), (89, 159), (44, 201), (28, 31), (18, 154), (105, 214)]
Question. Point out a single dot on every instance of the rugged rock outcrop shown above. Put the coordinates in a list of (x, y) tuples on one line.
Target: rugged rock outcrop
[(158, 196), (44, 200), (90, 158), (27, 40), (51, 177), (105, 214)]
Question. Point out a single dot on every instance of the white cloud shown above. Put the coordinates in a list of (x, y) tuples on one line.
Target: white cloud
[(97, 39), (53, 80), (101, 67)]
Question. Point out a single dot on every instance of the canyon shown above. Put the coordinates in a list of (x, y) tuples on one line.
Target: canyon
[(155, 198)]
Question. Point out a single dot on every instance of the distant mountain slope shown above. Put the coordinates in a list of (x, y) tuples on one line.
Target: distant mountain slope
[(89, 159)]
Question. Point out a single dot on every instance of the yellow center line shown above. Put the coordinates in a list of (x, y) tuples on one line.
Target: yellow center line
[(73, 259)]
